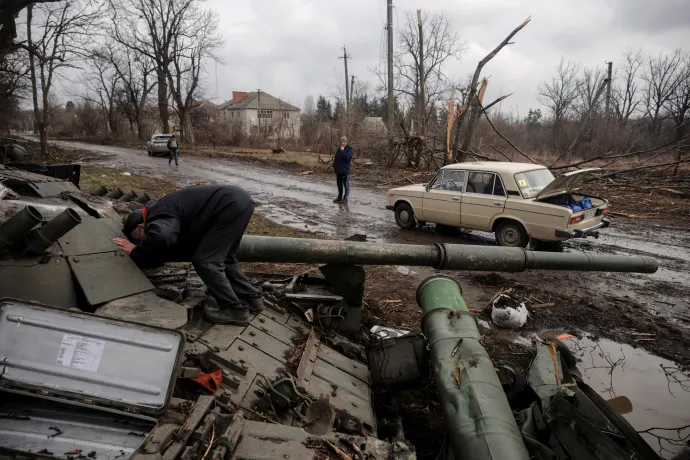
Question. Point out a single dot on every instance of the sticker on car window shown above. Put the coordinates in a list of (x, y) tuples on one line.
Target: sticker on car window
[(522, 183)]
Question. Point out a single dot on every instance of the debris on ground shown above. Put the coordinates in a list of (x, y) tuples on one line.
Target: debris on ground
[(234, 385), (508, 313)]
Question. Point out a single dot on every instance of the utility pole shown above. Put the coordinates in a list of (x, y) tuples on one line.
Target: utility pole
[(609, 78), (258, 108), (352, 89), (347, 78), (391, 97)]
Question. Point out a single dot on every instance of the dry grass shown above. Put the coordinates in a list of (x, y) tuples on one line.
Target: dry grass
[(307, 160), (94, 176)]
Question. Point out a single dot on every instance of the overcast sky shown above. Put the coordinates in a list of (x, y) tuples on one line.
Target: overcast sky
[(290, 48)]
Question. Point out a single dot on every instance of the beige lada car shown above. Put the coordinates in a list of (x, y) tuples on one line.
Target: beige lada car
[(516, 201)]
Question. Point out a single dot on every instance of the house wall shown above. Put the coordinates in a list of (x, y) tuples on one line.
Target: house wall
[(250, 119)]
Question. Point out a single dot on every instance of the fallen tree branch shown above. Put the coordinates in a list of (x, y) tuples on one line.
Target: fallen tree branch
[(499, 152), (614, 173), (606, 156), (506, 139), (480, 157)]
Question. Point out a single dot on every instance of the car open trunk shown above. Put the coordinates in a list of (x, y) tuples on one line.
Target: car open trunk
[(564, 198)]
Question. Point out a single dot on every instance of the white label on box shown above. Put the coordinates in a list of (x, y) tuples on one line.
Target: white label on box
[(83, 353)]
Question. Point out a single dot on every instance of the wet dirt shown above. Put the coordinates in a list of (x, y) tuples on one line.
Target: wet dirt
[(607, 305)]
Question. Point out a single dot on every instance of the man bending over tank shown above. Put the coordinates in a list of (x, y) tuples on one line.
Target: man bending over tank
[(202, 224)]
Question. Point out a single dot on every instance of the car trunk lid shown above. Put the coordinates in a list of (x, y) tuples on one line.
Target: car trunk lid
[(566, 182)]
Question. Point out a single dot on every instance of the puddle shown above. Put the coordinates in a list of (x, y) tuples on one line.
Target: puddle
[(658, 390)]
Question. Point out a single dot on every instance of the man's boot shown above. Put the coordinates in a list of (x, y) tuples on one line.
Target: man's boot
[(216, 315), (255, 305)]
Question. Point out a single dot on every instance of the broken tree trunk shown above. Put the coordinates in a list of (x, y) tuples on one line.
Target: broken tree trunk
[(472, 99), (449, 128)]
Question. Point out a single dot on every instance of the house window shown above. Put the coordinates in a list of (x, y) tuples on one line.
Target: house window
[(265, 113), (286, 115)]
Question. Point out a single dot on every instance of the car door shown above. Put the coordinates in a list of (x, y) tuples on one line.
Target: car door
[(442, 198), (483, 199)]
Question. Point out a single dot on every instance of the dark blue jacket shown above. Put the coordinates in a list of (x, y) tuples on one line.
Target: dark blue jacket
[(176, 223), (342, 160)]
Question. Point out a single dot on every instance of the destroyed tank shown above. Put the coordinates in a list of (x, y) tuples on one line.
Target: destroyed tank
[(101, 360)]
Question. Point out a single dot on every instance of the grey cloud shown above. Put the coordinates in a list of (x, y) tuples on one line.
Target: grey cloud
[(641, 16), (290, 48)]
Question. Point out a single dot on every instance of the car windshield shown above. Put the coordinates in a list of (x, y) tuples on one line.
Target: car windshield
[(161, 138), (533, 182)]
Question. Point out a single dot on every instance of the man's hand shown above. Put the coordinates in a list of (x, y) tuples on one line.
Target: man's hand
[(124, 245)]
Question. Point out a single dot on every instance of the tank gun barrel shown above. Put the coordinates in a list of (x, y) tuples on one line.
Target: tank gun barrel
[(440, 256)]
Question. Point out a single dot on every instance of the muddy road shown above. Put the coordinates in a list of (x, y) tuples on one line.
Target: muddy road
[(603, 305), (305, 203)]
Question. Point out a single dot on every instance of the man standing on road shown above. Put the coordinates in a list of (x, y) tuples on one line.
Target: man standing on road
[(341, 164), (202, 224), (172, 147)]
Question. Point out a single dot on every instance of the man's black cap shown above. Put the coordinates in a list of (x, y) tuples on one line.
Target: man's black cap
[(133, 219)]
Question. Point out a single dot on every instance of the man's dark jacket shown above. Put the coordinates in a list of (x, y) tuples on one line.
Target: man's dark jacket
[(342, 160), (175, 224)]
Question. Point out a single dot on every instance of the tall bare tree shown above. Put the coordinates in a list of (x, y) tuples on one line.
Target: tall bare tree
[(587, 86), (440, 43), (678, 105), (178, 35), (150, 27), (626, 93), (309, 128), (196, 42), (135, 71), (102, 83), (559, 95), (62, 32), (14, 86), (662, 75), (309, 106)]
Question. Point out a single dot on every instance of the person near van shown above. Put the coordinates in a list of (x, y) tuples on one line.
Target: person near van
[(341, 165), (172, 147)]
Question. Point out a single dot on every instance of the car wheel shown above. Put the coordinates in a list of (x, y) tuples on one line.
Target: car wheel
[(512, 234), (404, 216), (149, 152)]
